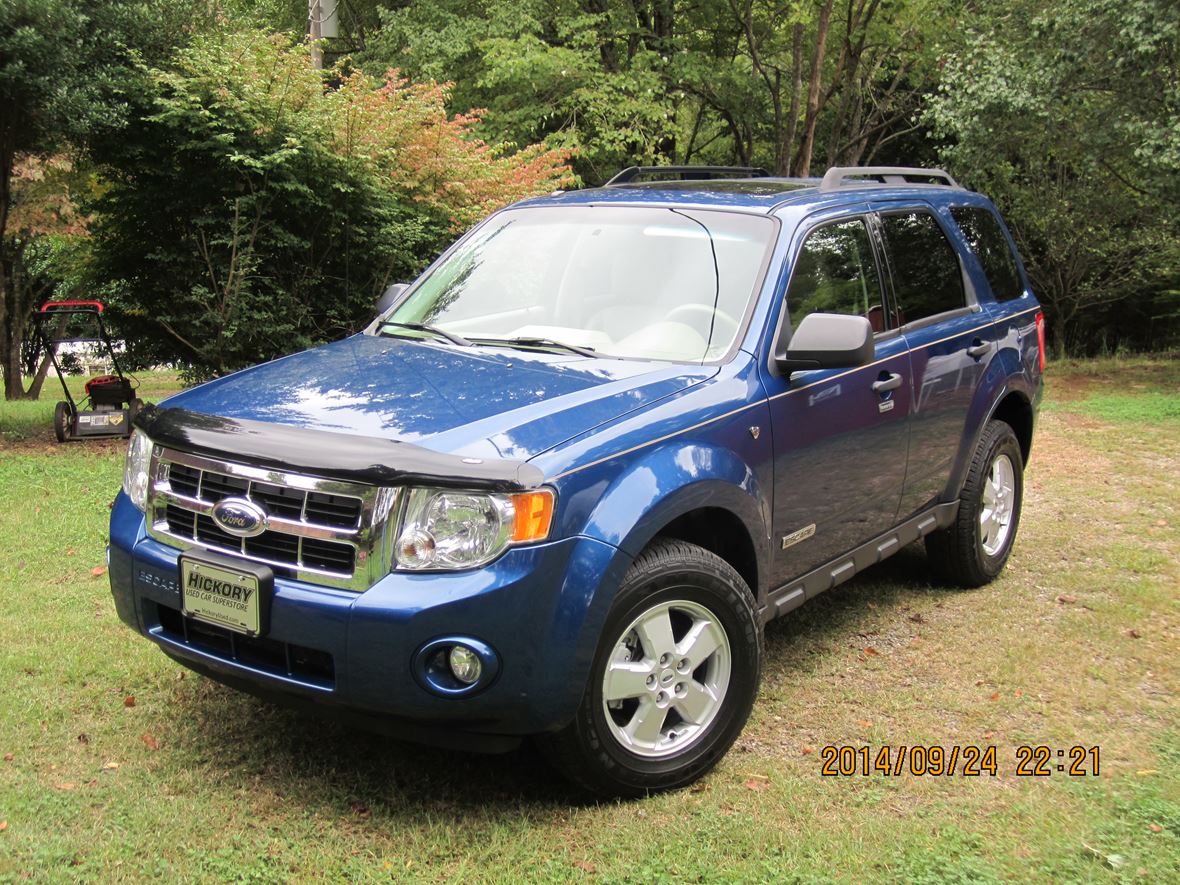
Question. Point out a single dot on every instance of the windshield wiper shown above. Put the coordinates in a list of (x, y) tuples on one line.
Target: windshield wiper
[(433, 330), (529, 341)]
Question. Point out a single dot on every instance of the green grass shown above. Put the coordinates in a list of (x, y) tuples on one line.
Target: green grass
[(1075, 644)]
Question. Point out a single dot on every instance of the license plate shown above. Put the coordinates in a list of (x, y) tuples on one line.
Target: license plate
[(222, 596)]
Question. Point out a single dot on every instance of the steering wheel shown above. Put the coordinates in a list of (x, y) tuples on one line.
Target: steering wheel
[(705, 312)]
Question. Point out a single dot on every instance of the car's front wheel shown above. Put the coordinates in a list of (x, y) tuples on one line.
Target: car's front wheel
[(673, 680)]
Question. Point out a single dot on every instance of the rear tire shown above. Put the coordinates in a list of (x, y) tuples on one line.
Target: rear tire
[(63, 419), (673, 679), (972, 551)]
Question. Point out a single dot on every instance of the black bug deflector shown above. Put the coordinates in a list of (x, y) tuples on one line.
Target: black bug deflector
[(363, 459)]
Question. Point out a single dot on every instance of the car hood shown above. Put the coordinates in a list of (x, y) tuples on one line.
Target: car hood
[(480, 401)]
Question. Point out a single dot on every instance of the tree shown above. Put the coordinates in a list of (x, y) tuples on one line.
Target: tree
[(68, 69), (1067, 112), (317, 190)]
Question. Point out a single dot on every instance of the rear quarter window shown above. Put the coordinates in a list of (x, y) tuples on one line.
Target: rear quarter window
[(986, 238)]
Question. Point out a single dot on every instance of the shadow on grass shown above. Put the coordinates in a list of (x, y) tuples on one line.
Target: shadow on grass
[(337, 770)]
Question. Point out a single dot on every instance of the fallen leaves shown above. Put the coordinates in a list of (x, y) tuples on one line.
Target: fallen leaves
[(98, 571), (3, 825), (1067, 599), (871, 652), (150, 741), (360, 809), (585, 866), (808, 751), (8, 757), (129, 701), (995, 696), (110, 765), (66, 785), (1155, 828), (1133, 633), (757, 782)]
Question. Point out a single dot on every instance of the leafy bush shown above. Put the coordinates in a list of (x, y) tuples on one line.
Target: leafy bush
[(260, 205)]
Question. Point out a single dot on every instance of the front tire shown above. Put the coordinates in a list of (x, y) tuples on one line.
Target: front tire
[(673, 680), (63, 420), (972, 551)]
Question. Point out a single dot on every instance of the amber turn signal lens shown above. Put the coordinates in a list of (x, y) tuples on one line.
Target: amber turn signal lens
[(534, 513)]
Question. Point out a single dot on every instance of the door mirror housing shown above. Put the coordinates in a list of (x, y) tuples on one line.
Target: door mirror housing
[(389, 296), (827, 341)]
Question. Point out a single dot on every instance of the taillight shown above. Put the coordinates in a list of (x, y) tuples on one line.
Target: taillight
[(1041, 338)]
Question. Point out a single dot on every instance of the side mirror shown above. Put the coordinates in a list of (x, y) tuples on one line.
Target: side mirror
[(827, 341), (390, 295)]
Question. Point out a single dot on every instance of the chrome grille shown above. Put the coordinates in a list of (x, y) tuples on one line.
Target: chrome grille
[(323, 531)]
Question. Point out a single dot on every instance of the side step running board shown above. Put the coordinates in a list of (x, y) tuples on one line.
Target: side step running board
[(794, 593)]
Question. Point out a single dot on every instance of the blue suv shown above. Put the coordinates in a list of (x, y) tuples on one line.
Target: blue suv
[(562, 481)]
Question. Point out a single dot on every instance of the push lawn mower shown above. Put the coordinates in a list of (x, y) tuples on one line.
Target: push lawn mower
[(110, 403)]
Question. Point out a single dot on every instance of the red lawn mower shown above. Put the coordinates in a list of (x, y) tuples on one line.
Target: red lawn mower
[(110, 404)]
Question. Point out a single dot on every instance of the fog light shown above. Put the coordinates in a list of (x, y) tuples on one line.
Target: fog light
[(465, 664)]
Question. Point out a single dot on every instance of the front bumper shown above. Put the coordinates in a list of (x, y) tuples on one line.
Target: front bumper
[(540, 607)]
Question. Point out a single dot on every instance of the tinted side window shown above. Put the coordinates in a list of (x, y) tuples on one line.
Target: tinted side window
[(925, 266), (988, 242), (837, 273)]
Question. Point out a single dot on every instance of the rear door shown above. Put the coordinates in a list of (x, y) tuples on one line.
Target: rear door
[(840, 445), (949, 336)]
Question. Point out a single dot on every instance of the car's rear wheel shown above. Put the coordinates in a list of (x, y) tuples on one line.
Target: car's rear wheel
[(973, 550), (673, 680)]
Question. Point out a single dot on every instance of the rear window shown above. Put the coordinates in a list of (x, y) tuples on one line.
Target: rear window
[(991, 247), (923, 264)]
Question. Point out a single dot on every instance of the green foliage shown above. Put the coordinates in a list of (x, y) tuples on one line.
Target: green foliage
[(540, 72), (1068, 113), (70, 72), (315, 191)]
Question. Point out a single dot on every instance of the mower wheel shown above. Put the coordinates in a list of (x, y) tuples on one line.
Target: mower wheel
[(63, 420)]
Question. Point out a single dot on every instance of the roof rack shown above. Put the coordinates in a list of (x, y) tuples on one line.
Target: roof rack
[(687, 173), (847, 176)]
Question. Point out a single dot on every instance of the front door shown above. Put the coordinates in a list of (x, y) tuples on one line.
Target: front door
[(840, 435)]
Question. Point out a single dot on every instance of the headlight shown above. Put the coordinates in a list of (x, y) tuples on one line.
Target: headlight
[(135, 469), (444, 529)]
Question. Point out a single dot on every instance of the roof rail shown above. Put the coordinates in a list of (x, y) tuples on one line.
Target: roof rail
[(687, 173), (847, 176)]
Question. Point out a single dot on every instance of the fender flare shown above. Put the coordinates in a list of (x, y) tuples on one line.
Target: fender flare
[(1004, 376), (675, 479)]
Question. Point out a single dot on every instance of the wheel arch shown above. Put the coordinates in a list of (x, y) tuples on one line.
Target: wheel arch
[(700, 493), (1005, 393)]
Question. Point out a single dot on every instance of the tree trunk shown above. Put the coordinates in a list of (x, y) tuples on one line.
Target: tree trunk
[(786, 155), (1057, 328), (14, 319), (807, 142)]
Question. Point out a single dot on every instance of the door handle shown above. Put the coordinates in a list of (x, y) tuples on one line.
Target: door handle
[(891, 382), (978, 348)]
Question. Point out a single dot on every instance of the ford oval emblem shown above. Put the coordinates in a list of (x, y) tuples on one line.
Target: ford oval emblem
[(239, 517)]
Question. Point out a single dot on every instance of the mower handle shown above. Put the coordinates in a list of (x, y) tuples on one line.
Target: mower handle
[(50, 306)]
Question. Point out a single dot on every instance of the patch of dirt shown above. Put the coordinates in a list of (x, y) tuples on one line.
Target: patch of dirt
[(46, 444)]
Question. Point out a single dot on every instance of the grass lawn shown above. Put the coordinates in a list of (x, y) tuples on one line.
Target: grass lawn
[(118, 764)]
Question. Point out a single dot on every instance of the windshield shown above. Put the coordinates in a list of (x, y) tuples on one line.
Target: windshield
[(648, 283)]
